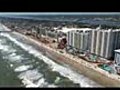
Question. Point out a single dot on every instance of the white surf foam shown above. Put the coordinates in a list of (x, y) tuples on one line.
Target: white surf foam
[(41, 82), (16, 58), (28, 77), (23, 68), (30, 74), (52, 86), (28, 83), (6, 48), (11, 65), (72, 75), (12, 55), (0, 40)]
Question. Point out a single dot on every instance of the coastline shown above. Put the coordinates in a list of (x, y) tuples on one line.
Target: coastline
[(88, 69)]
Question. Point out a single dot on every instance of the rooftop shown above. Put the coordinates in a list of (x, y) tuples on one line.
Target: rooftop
[(118, 50), (65, 30)]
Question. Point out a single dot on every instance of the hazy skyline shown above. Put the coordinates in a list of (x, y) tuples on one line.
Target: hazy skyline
[(59, 13)]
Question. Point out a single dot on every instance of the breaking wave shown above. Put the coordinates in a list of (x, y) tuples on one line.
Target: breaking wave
[(28, 78)]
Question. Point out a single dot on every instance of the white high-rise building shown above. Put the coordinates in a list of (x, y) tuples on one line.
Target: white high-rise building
[(104, 42)]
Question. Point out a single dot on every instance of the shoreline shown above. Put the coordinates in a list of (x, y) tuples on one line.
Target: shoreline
[(88, 69)]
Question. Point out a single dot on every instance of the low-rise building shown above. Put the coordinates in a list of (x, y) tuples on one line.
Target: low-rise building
[(117, 57), (117, 60)]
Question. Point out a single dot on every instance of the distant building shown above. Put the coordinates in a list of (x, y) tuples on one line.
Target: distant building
[(79, 39), (51, 33)]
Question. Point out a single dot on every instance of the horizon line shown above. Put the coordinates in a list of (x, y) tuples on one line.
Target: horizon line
[(59, 13)]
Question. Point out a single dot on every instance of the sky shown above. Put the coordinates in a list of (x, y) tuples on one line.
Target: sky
[(59, 13)]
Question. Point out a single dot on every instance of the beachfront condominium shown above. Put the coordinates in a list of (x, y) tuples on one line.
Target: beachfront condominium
[(104, 42), (79, 39), (99, 42)]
